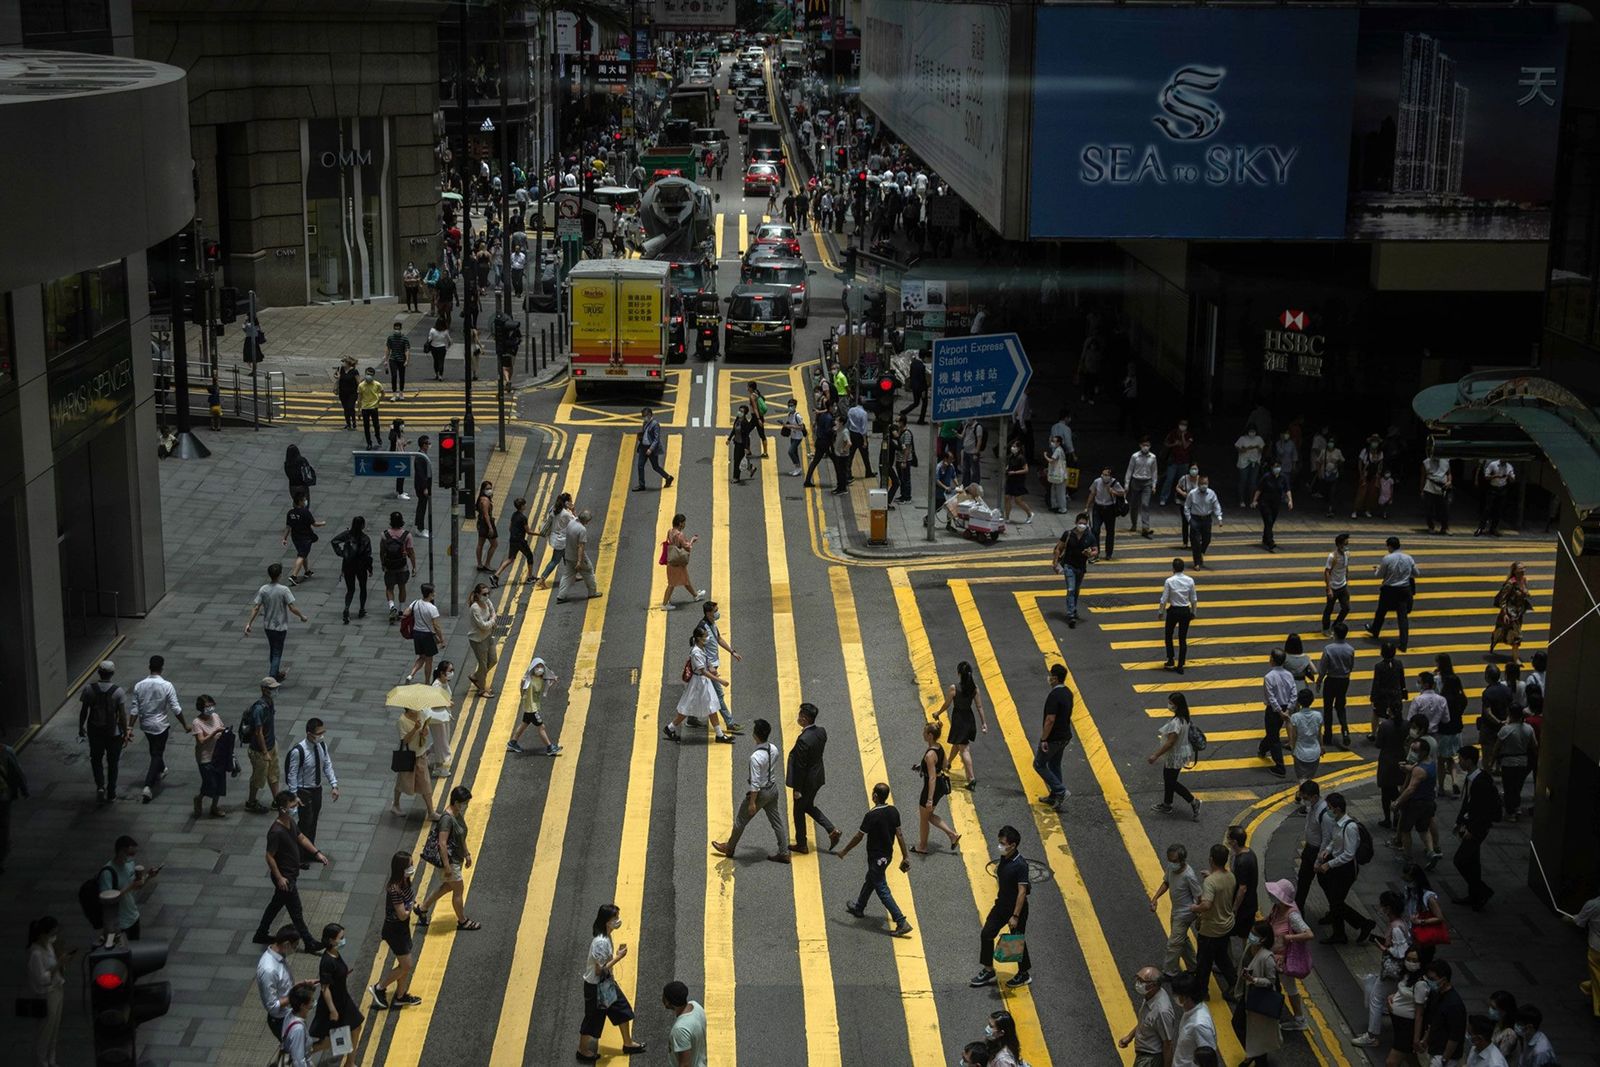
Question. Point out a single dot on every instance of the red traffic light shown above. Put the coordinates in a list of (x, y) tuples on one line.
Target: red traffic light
[(110, 976), (885, 384), (861, 176), (447, 442)]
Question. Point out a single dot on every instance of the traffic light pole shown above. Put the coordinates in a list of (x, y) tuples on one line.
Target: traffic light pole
[(187, 445), (455, 532)]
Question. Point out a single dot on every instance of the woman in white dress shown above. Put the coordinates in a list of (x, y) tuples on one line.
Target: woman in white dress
[(699, 693)]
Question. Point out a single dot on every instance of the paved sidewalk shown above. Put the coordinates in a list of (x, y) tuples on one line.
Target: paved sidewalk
[(222, 519), (1516, 943)]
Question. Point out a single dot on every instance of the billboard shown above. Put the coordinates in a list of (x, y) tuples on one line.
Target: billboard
[(1192, 122), (1420, 123), (1457, 115), (936, 75), (593, 317), (639, 321), (695, 14)]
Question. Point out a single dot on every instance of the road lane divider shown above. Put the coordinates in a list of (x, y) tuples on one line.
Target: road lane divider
[(532, 932), (964, 814), (923, 1037), (722, 1041)]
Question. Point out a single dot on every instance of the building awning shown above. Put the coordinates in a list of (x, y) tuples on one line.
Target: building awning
[(1502, 415)]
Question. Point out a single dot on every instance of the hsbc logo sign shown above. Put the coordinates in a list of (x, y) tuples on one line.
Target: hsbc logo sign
[(1290, 348)]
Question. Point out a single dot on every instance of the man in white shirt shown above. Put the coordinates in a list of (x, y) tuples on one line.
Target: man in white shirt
[(1179, 598), (155, 704), (1496, 476), (1104, 492), (1484, 1052), (1436, 485), (1195, 1028), (306, 768), (765, 794), (858, 422), (1429, 703), (1397, 572), (273, 980), (1336, 583), (1140, 479)]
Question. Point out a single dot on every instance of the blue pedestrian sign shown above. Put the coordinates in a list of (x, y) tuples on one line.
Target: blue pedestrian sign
[(382, 464), (978, 377)]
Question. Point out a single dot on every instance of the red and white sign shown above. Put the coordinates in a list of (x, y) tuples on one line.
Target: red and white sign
[(1293, 320)]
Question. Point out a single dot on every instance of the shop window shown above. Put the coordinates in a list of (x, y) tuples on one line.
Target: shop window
[(80, 307)]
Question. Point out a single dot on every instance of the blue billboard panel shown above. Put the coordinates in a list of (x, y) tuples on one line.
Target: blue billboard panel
[(1202, 122)]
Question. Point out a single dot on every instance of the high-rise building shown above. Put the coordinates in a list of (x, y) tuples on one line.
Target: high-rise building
[(1433, 112)]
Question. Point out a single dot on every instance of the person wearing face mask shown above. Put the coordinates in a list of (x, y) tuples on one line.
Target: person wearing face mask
[(744, 425), (1186, 484), (1202, 509), (1156, 1030), (1259, 1004), (1005, 1050), (1503, 1013), (602, 1000), (1392, 945), (1196, 1030), (1369, 469), (448, 839), (1273, 492), (1140, 478), (1444, 1026), (488, 531), (400, 904), (1408, 1007), (336, 1009), (1536, 1048), (276, 986), (1248, 448), (1179, 445), (1286, 454), (1107, 498), (1417, 801), (439, 751), (538, 681), (214, 763), (46, 986), (976, 1054), (1073, 554), (284, 845), (1056, 474), (1016, 484), (1182, 887), (1480, 1036), (305, 770), (1010, 909)]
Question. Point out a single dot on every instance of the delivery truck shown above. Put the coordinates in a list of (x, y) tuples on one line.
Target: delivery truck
[(617, 324)]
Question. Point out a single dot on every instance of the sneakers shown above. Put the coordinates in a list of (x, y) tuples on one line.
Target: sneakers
[(1300, 1022), (982, 978), (145, 797), (903, 928), (1161, 809), (425, 534), (402, 496), (1362, 1040), (552, 750), (380, 999), (850, 906), (1194, 808), (1018, 980), (406, 1001), (512, 746)]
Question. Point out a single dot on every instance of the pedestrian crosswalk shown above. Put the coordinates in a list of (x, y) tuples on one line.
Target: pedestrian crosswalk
[(435, 402)]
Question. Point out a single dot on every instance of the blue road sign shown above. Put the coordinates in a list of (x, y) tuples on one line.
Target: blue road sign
[(978, 377), (382, 464)]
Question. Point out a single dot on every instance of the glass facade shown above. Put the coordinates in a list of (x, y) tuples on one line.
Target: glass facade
[(80, 307), (345, 164), (1570, 304)]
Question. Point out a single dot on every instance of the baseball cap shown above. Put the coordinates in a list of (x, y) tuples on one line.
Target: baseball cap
[(269, 682)]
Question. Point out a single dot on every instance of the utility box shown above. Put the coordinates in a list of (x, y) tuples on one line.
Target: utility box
[(878, 512)]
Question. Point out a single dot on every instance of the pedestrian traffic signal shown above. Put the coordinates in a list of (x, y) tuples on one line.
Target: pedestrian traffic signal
[(227, 304), (449, 459), (118, 1003), (212, 250), (883, 392), (840, 158)]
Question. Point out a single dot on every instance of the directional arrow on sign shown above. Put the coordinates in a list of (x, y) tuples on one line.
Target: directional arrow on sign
[(1021, 370)]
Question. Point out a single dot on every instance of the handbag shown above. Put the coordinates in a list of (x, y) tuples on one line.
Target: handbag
[(1268, 1002), (662, 562), (340, 1041), (1009, 948), (1120, 508), (677, 556), (1297, 959), (408, 624), (402, 760), (1072, 477), (1430, 934)]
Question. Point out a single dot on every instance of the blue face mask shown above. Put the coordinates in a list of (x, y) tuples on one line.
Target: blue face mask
[(1494, 1014)]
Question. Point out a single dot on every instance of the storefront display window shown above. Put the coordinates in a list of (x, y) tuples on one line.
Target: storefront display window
[(347, 204), (80, 307)]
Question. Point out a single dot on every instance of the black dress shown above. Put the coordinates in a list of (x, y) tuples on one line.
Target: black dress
[(333, 972), (963, 725)]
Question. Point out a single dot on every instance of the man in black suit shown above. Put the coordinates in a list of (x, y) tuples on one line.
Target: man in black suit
[(806, 778), (1480, 807)]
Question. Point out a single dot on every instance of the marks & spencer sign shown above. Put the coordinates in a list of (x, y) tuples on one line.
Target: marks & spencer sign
[(90, 391)]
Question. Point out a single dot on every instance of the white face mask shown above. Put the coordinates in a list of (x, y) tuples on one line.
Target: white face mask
[(411, 870)]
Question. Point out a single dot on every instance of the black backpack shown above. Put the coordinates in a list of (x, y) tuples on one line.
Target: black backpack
[(392, 551), (1364, 848), (89, 897), (102, 712)]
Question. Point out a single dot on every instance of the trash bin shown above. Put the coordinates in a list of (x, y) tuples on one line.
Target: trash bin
[(878, 510)]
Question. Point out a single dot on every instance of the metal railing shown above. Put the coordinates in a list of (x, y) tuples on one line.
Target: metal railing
[(81, 596), (243, 394)]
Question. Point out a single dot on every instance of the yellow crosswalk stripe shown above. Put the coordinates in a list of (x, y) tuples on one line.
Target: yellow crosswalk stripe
[(718, 225), (1210, 604), (411, 1027), (1242, 683), (1153, 590), (816, 962), (721, 1037), (911, 961), (1435, 556), (1286, 624), (1255, 706), (533, 927), (1115, 1007), (1019, 1002), (640, 797), (744, 233), (1256, 763), (1415, 650)]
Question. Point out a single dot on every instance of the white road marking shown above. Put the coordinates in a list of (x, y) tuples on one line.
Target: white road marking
[(711, 397), (695, 421)]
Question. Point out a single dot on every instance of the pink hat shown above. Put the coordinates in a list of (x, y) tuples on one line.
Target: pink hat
[(1282, 891)]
